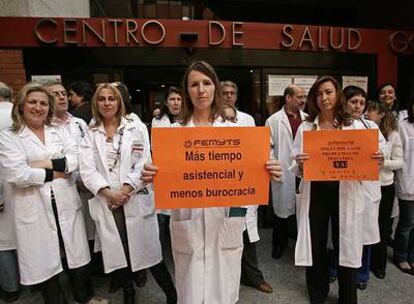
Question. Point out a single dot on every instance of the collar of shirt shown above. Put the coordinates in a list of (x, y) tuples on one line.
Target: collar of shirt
[(57, 122)]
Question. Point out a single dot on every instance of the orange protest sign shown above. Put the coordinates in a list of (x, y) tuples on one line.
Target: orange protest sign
[(340, 155), (210, 166)]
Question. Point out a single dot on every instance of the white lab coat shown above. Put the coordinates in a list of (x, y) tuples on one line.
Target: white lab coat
[(372, 190), (77, 128), (140, 217), (207, 247), (251, 215), (7, 234), (244, 119), (351, 212), (163, 122), (36, 230), (404, 183), (281, 139)]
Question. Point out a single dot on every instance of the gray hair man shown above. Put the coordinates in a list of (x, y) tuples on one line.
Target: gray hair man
[(229, 91)]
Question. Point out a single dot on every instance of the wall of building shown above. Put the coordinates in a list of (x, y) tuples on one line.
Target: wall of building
[(45, 8), (12, 70)]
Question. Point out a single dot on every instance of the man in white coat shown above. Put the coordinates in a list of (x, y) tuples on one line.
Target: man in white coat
[(283, 126), (251, 275), (229, 91), (9, 274), (76, 128)]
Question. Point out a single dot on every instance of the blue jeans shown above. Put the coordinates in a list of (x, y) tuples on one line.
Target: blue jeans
[(9, 273), (404, 234)]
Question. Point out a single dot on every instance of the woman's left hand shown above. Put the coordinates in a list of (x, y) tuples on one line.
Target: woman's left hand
[(148, 173), (274, 168), (379, 156)]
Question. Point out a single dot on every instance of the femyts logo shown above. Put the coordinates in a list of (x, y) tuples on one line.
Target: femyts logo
[(212, 143)]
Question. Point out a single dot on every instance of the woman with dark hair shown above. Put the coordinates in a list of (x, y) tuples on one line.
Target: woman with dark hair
[(80, 95), (112, 154), (404, 234), (387, 94), (356, 103), (206, 242), (319, 203), (170, 108), (39, 159)]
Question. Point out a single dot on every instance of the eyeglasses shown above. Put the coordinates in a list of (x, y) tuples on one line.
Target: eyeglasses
[(300, 96), (231, 93), (59, 93)]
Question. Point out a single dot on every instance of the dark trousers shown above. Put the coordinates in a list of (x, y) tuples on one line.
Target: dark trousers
[(126, 276), (79, 278), (250, 272), (379, 250), (280, 236), (164, 232), (404, 234), (324, 206)]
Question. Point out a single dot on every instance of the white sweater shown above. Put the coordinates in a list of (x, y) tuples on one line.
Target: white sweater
[(393, 158)]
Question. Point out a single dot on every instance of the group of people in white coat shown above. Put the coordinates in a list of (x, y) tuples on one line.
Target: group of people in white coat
[(42, 166), (47, 156), (346, 216)]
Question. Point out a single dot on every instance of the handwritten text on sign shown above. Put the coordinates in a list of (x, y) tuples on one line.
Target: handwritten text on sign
[(210, 166), (340, 155)]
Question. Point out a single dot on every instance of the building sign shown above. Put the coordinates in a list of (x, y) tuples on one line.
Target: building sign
[(402, 42), (117, 32), (358, 81), (278, 83)]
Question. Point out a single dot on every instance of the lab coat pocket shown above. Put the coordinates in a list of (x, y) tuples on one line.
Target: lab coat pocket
[(25, 200), (94, 205), (231, 233), (183, 236), (137, 150), (146, 204)]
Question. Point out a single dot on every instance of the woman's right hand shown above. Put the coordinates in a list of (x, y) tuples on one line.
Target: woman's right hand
[(300, 159), (148, 173), (114, 198)]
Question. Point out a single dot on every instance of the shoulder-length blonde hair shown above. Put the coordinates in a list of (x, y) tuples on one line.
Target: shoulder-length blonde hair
[(21, 98), (95, 111), (187, 107), (341, 116)]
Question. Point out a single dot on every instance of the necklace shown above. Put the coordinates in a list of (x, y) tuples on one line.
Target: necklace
[(329, 125)]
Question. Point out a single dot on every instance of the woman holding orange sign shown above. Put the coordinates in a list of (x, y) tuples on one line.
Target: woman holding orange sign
[(207, 242), (339, 202)]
